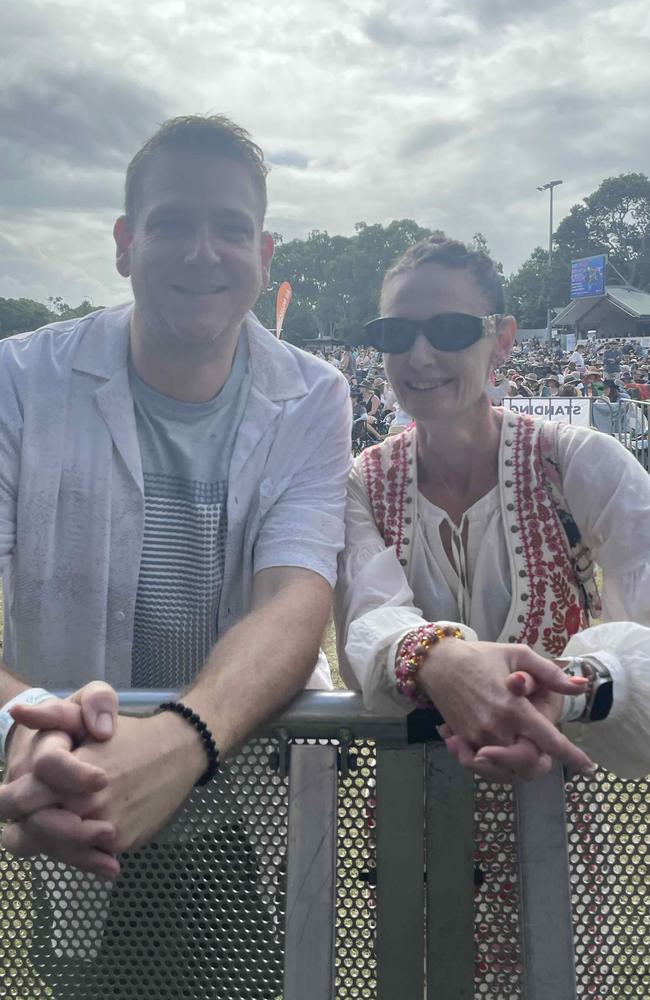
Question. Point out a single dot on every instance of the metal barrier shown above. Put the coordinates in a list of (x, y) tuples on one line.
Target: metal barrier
[(263, 885), (627, 420)]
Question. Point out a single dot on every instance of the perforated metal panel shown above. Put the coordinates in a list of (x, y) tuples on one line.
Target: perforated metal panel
[(198, 915), (201, 914), (496, 925), (355, 932), (608, 845)]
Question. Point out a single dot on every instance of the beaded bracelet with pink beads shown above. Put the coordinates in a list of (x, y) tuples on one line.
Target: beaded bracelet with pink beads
[(411, 654)]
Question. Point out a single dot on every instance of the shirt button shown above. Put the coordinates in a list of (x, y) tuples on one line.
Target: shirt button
[(119, 616)]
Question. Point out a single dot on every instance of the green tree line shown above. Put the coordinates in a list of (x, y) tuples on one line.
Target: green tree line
[(18, 315), (336, 279)]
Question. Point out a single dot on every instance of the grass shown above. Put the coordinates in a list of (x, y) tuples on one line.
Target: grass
[(329, 648)]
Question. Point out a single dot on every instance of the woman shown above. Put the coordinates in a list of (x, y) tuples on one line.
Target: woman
[(491, 520), (468, 562)]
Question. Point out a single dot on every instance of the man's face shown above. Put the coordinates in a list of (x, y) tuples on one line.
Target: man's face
[(196, 253)]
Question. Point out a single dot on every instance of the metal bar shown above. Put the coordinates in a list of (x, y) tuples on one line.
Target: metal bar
[(311, 715), (400, 868), (310, 925), (450, 877), (545, 895)]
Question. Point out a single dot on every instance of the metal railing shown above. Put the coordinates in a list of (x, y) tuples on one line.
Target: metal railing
[(627, 420), (262, 886)]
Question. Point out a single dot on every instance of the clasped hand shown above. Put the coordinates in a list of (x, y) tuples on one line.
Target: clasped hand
[(501, 703), (83, 783)]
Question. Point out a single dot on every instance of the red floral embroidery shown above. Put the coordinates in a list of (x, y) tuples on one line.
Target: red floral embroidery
[(386, 487)]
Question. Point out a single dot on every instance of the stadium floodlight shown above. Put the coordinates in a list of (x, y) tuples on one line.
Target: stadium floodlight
[(549, 319)]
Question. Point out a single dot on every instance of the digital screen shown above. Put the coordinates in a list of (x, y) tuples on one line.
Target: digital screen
[(588, 276)]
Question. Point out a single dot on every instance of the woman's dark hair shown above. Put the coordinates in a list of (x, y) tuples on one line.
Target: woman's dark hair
[(454, 255)]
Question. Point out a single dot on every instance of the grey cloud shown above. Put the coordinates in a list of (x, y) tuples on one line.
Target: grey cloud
[(81, 114), (289, 158), (432, 33), (429, 136), (502, 13), (67, 136)]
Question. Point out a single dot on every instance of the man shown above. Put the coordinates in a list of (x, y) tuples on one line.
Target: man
[(611, 358), (578, 359), (172, 484), (550, 385), (348, 365)]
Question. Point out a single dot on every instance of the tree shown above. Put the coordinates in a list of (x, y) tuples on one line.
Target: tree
[(526, 291), (18, 315), (615, 220), (336, 280), (480, 244)]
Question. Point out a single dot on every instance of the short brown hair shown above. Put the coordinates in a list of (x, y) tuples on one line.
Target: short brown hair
[(454, 255), (214, 134)]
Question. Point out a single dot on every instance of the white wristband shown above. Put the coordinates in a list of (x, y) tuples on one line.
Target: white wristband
[(31, 696)]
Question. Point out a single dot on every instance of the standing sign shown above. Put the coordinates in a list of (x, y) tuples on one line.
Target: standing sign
[(568, 410), (588, 276), (281, 305)]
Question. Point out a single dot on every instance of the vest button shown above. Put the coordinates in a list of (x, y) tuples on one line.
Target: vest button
[(519, 550), (510, 506), (509, 444), (521, 618), (524, 597), (522, 573), (402, 562), (514, 528), (508, 483), (407, 520), (512, 638)]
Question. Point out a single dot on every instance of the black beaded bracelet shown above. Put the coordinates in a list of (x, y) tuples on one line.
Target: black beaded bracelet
[(206, 736)]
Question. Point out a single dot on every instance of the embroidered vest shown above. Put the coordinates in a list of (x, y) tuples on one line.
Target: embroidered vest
[(554, 592)]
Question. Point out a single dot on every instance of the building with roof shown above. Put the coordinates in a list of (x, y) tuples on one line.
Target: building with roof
[(623, 311)]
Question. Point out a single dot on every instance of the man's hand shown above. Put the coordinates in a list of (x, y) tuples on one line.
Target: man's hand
[(151, 766), (54, 728), (470, 685)]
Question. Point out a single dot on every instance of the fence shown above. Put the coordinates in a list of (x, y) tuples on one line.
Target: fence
[(263, 887), (627, 419)]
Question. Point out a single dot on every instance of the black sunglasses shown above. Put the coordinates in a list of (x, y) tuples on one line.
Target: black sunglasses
[(445, 332)]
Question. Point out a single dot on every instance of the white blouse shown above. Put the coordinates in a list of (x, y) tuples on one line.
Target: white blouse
[(608, 494)]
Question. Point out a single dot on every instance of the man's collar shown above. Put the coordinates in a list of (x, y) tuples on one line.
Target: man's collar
[(104, 351)]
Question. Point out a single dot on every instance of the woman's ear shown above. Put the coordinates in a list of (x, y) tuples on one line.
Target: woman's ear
[(504, 340)]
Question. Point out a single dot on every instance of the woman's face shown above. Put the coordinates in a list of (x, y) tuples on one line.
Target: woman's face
[(430, 383)]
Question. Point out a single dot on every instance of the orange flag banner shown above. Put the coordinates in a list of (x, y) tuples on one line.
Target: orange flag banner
[(281, 305)]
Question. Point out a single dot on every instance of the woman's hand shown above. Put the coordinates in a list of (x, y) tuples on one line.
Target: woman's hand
[(471, 685)]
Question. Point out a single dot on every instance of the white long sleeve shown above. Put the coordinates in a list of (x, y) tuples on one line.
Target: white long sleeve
[(608, 493)]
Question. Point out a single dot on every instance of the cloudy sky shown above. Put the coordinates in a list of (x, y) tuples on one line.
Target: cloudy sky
[(447, 112)]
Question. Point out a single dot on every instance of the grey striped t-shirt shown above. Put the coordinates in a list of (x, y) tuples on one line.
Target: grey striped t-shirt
[(186, 450)]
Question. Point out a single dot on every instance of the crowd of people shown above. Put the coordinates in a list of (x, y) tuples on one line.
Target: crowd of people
[(609, 370)]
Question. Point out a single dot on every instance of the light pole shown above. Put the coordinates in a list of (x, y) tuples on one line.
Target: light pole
[(549, 319)]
